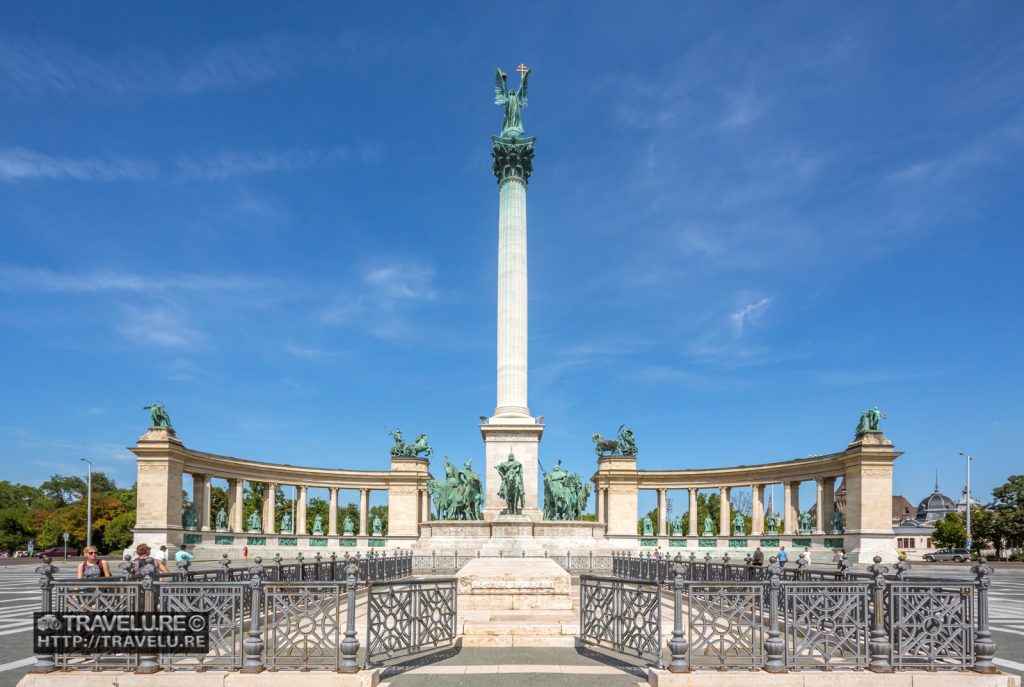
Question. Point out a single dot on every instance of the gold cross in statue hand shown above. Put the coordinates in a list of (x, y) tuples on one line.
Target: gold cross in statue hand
[(522, 69)]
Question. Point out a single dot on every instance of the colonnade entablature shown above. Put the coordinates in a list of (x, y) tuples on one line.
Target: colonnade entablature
[(864, 529), (163, 460)]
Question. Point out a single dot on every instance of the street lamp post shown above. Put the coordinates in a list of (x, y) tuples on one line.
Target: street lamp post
[(968, 500), (88, 506)]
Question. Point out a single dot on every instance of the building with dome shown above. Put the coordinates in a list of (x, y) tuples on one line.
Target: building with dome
[(914, 533)]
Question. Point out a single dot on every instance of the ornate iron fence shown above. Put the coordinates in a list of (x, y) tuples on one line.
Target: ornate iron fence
[(410, 617), (767, 617), (621, 615)]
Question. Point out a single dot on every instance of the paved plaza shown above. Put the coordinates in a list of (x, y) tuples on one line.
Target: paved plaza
[(19, 597)]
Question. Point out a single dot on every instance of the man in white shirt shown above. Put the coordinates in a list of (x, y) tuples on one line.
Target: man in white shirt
[(806, 555), (160, 554)]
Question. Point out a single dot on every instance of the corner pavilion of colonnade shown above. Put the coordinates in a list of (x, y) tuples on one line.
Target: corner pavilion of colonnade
[(866, 466)]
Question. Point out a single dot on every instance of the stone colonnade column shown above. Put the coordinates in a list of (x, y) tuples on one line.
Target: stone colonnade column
[(200, 503), (757, 513), (787, 508), (724, 517), (332, 514), (236, 495), (364, 512), (599, 505), (692, 529), (269, 508), (425, 512), (819, 506), (300, 510), (204, 514), (828, 502), (795, 505), (662, 514), (512, 298)]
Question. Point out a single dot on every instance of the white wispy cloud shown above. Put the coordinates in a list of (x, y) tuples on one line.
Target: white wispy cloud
[(15, 278), (748, 314), (22, 164), (312, 353), (231, 164), (160, 327), (384, 290)]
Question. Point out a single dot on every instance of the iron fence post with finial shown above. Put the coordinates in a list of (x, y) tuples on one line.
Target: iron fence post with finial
[(334, 566), (45, 662), (300, 574), (774, 646), (984, 646), (350, 645), (253, 645), (748, 561), (317, 560), (878, 640), (678, 644), (801, 568), (224, 574), (278, 563), (148, 661), (126, 567)]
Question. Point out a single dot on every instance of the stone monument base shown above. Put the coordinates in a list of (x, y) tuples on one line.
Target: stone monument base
[(511, 535), (513, 584)]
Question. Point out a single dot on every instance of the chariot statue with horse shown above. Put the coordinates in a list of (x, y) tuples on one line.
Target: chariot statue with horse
[(625, 445), (417, 449)]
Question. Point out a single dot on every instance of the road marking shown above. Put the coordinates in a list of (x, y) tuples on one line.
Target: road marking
[(27, 628), (1003, 663), (1006, 629), (21, 664)]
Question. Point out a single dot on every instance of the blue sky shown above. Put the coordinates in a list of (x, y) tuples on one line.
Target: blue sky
[(747, 224)]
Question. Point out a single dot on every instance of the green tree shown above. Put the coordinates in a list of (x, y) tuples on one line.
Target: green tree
[(1008, 512), (707, 504), (950, 532), (118, 533), (15, 530)]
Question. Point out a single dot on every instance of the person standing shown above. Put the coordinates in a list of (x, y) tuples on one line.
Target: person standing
[(783, 557), (183, 554), (93, 566), (161, 554), (758, 557), (806, 555)]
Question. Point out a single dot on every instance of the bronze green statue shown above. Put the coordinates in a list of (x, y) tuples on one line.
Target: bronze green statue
[(677, 527), (511, 489), (838, 526), (348, 527), (418, 449), (158, 416), (188, 517), (255, 523), (460, 495), (514, 101), (771, 523), (286, 524), (222, 520), (377, 527), (625, 445), (870, 421), (318, 525), (647, 526), (805, 522), (709, 526), (565, 494), (739, 525)]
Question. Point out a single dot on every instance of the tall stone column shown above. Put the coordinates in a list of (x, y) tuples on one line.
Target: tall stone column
[(236, 496), (794, 502), (599, 505), (757, 514), (662, 514), (819, 506), (512, 429), (200, 503), (788, 527), (692, 529), (300, 510), (332, 515), (724, 515), (829, 502), (364, 512), (269, 508)]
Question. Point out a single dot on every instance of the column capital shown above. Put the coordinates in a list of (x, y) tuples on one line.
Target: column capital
[(513, 158)]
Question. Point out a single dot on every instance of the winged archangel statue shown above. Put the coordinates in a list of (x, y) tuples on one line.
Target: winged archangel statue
[(514, 101)]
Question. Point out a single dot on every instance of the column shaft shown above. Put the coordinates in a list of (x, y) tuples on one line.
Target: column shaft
[(723, 513), (662, 514), (235, 497), (300, 511), (269, 508), (757, 503), (787, 508), (512, 299), (829, 501), (200, 502), (598, 505), (692, 529), (819, 506), (364, 511), (332, 515)]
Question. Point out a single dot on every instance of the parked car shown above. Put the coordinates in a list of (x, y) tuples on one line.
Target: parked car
[(955, 555), (56, 552)]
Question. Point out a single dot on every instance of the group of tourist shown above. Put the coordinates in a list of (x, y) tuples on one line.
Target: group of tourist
[(93, 566), (757, 558)]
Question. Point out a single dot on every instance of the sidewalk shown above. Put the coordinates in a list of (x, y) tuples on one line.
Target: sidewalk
[(525, 667)]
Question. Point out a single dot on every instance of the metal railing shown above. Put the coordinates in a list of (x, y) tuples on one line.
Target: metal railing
[(744, 616), (296, 615)]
